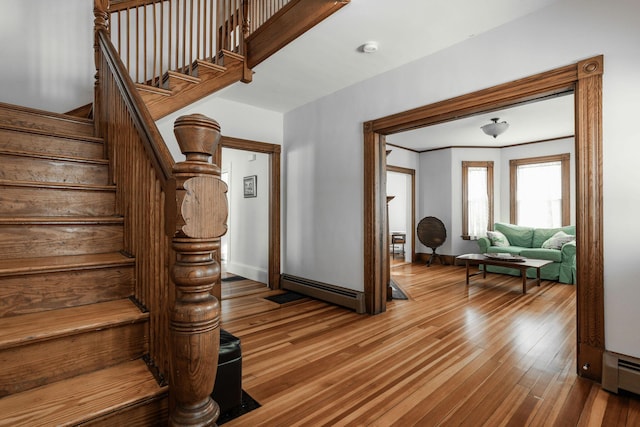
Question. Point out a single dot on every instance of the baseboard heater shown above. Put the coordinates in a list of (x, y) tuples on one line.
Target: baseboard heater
[(620, 372), (323, 291)]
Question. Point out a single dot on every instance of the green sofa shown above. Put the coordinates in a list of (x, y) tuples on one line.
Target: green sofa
[(527, 242)]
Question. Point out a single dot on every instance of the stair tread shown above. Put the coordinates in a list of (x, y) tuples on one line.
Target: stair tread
[(61, 220), (31, 118), (77, 186), (59, 157), (10, 267), (68, 402), (35, 327), (183, 76), (154, 90), (210, 65)]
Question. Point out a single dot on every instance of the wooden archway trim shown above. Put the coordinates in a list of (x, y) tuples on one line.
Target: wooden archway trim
[(585, 79), (274, 197)]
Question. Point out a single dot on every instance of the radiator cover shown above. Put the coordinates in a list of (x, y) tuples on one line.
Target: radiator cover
[(325, 292), (620, 372)]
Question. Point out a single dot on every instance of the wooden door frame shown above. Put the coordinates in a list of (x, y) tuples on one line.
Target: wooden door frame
[(584, 78), (274, 197), (412, 173)]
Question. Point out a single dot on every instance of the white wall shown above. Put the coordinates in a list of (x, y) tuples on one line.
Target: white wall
[(47, 63), (435, 194), (323, 141), (248, 233)]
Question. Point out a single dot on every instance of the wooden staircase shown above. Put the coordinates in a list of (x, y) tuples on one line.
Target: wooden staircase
[(179, 89), (72, 339)]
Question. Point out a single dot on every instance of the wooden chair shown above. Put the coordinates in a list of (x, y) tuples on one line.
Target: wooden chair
[(398, 239)]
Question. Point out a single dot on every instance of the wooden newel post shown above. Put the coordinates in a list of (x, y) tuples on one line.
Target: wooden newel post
[(195, 318)]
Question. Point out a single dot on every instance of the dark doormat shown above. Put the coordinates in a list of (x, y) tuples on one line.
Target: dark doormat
[(233, 278), (248, 404), (397, 292), (285, 297)]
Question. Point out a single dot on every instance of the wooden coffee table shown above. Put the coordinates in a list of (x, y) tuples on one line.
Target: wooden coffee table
[(523, 266)]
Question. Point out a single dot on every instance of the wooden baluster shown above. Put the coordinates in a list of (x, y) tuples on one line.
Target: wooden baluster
[(245, 26), (201, 221), (100, 22)]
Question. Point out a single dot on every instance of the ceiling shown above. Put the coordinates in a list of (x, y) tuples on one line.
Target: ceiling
[(329, 56), (535, 121)]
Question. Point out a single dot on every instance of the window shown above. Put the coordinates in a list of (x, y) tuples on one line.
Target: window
[(540, 191), (477, 199)]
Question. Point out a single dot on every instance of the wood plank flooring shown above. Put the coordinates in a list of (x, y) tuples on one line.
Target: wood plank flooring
[(451, 355)]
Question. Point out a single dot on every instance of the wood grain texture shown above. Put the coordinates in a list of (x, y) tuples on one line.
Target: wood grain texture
[(39, 284), (194, 325), (38, 327), (33, 365), (35, 199), (589, 227), (21, 139), (52, 123), (100, 393), (450, 355), (25, 166), (37, 237), (375, 221)]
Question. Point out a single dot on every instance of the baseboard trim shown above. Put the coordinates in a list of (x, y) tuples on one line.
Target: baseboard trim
[(446, 259), (333, 294)]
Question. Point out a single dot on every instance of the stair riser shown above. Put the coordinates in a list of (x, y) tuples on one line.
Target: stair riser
[(32, 293), (29, 241), (45, 144), (152, 412), (49, 122), (178, 82), (34, 202), (37, 364), (24, 168)]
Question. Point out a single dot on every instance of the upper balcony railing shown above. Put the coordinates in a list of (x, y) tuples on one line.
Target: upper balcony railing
[(155, 36), (261, 10)]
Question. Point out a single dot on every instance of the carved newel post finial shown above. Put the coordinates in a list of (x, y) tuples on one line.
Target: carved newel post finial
[(195, 317)]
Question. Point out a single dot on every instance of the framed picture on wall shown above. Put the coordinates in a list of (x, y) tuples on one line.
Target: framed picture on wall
[(251, 186)]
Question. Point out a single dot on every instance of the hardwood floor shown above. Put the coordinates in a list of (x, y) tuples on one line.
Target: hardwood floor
[(450, 355)]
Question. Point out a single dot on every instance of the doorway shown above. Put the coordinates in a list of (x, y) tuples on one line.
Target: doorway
[(401, 183), (253, 183), (585, 79)]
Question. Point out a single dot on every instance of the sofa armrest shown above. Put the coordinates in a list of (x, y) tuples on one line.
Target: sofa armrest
[(567, 272), (483, 244), (568, 251)]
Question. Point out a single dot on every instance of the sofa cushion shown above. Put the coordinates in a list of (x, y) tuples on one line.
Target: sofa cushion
[(517, 235), (557, 240), (497, 238), (513, 250), (540, 235), (540, 253)]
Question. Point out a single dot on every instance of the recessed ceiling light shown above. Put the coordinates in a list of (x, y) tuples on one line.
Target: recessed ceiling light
[(370, 47)]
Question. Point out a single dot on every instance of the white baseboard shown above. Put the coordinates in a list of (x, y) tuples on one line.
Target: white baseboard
[(248, 271)]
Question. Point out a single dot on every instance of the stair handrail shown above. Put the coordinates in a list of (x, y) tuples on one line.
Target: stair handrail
[(169, 230)]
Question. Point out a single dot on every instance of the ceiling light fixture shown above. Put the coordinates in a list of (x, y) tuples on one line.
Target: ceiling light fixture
[(494, 129), (370, 47)]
